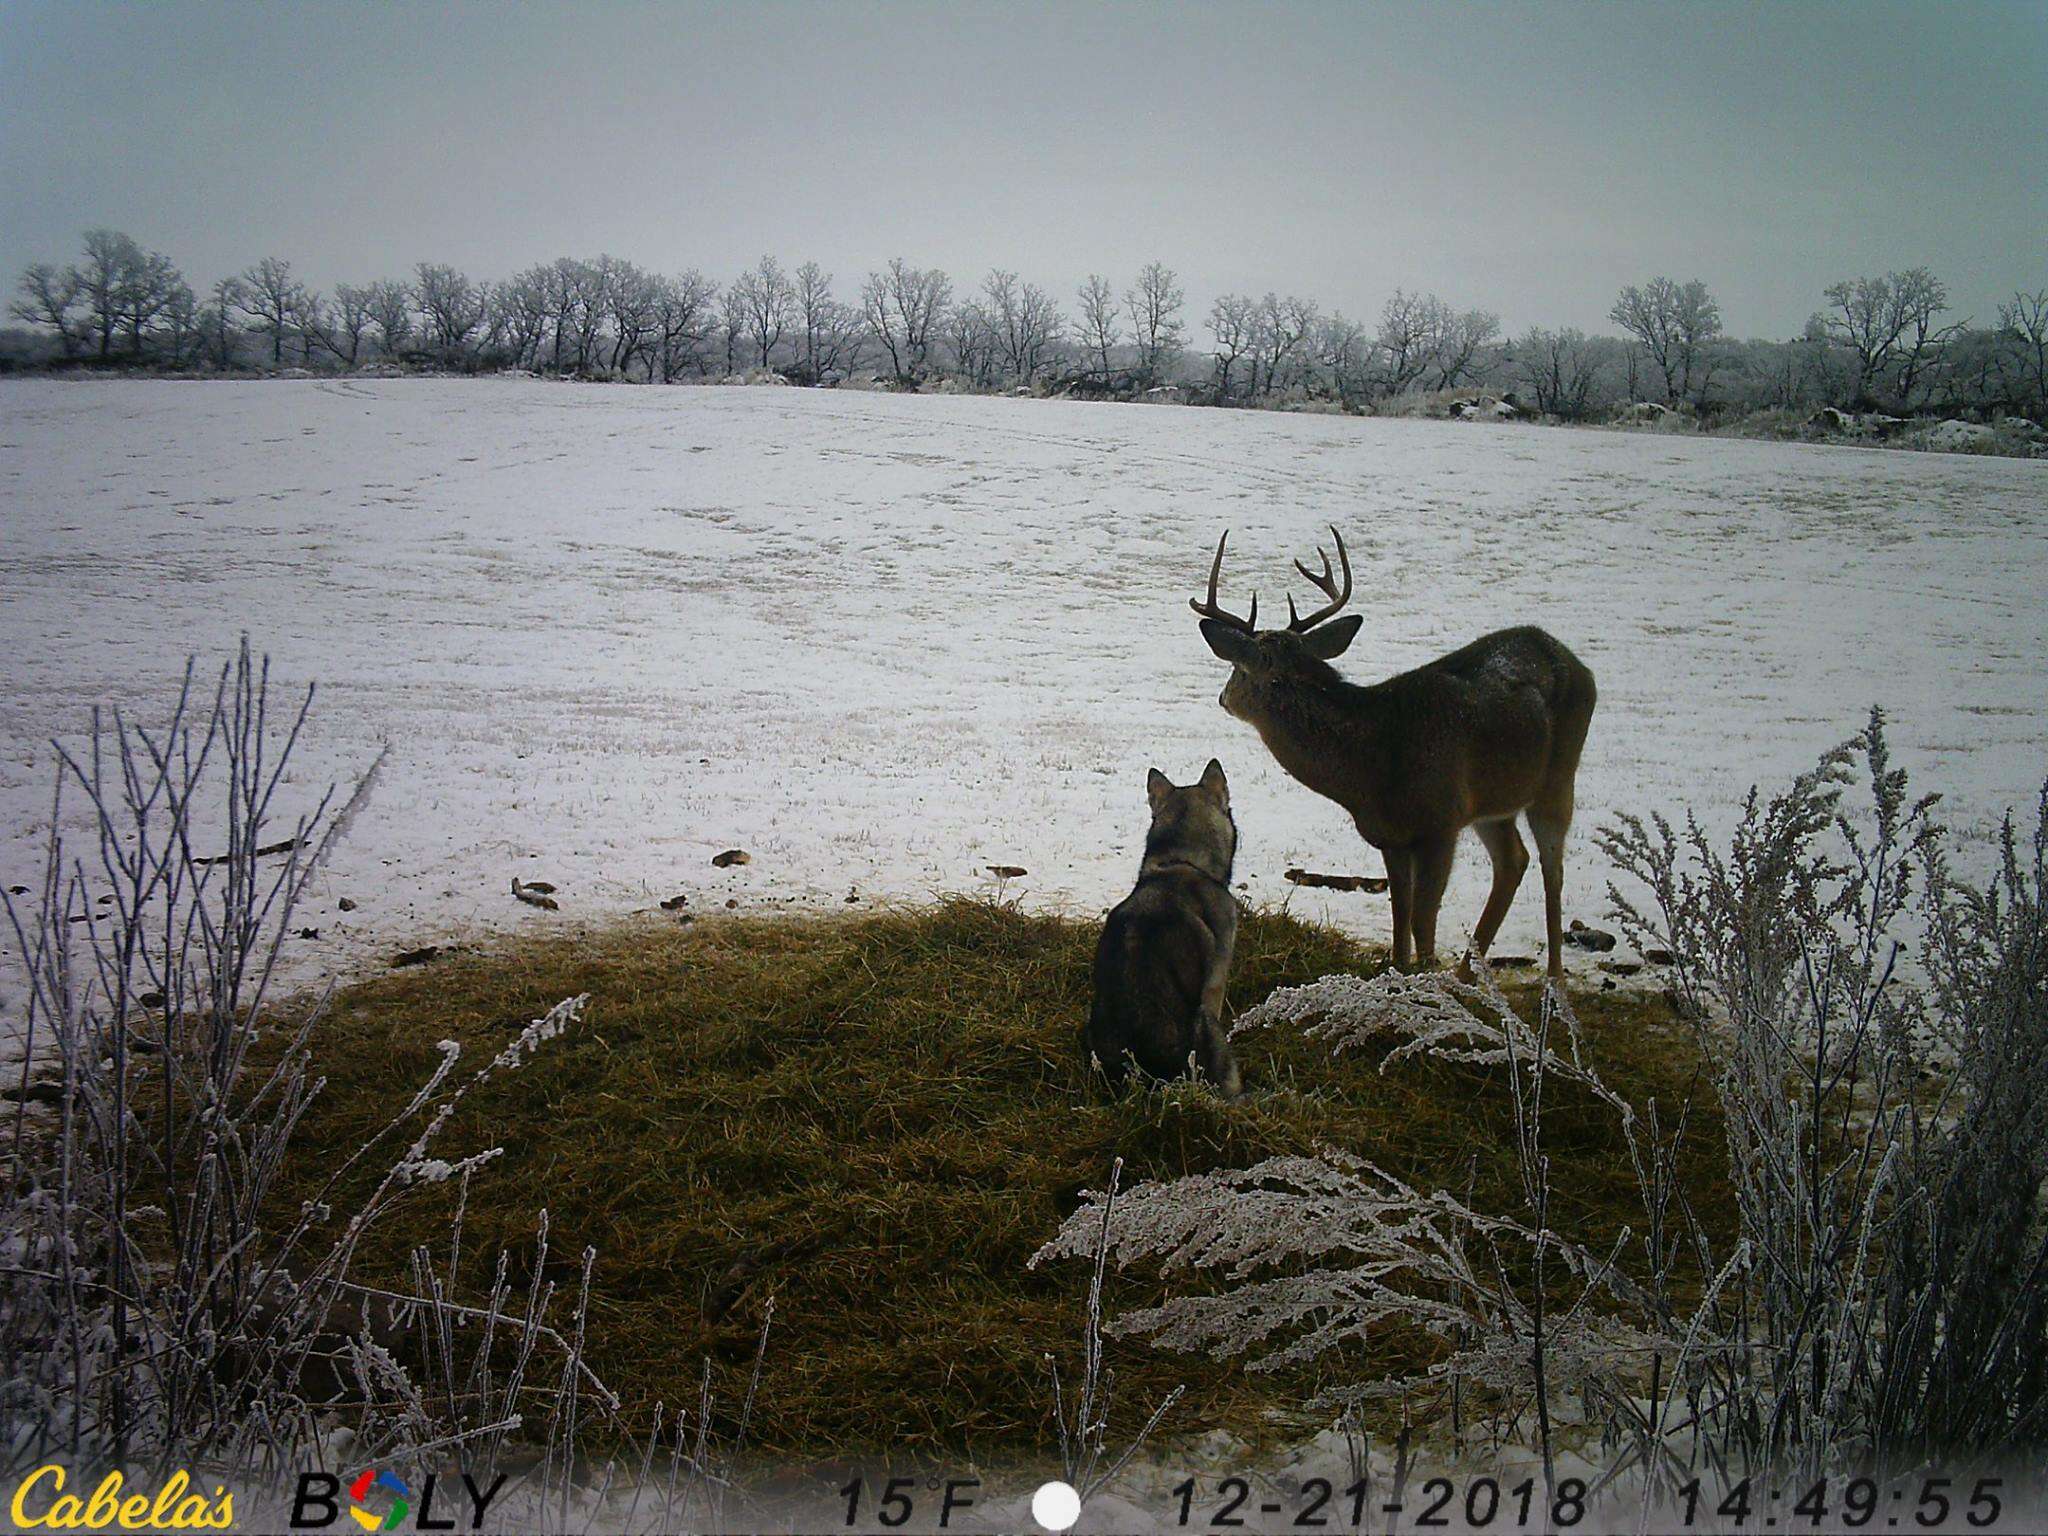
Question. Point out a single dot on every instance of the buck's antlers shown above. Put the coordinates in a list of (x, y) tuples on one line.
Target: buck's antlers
[(1207, 608), (1327, 582), (1328, 585)]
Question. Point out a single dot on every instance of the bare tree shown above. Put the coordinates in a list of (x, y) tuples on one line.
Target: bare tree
[(846, 340), (1559, 368), (683, 322), (183, 326), (768, 300), (1042, 331), (629, 298), (1976, 368), (568, 309), (575, 295), (1887, 324), (902, 304), (1343, 359), (971, 333), (217, 324), (452, 306), (550, 294), (309, 324), (1278, 341), (1234, 320), (1459, 341), (1003, 304), (1674, 322), (351, 322), (271, 296), (47, 298), (121, 287), (391, 313), (842, 341), (1410, 325), (148, 286), (830, 333), (1154, 305), (814, 308), (732, 320), (1100, 333), (2023, 355), (519, 316), (1025, 322), (98, 281)]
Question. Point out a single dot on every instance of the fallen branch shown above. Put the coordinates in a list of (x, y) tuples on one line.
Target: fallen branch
[(262, 853), (1369, 883)]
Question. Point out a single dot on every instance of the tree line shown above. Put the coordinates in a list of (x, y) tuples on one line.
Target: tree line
[(1877, 343)]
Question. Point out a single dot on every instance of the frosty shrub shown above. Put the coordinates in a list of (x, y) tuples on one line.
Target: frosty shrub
[(1316, 1254), (1084, 1423), (163, 1305), (1875, 1029), (1883, 1130)]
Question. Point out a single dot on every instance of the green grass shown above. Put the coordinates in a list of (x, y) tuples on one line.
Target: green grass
[(879, 1119)]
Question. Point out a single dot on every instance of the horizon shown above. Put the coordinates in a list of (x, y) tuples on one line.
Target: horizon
[(1809, 145)]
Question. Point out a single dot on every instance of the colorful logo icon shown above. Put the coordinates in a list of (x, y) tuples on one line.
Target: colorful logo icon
[(401, 1504)]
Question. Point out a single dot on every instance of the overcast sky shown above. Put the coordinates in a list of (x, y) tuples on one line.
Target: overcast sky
[(1529, 159)]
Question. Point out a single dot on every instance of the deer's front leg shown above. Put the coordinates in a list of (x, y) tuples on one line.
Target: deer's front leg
[(1401, 893), (1432, 864)]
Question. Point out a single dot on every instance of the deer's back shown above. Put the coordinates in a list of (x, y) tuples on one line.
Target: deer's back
[(1510, 664), (1481, 732)]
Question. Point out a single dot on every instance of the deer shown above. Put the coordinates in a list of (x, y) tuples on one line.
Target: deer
[(1473, 739)]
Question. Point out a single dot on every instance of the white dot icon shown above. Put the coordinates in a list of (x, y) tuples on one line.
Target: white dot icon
[(1056, 1506)]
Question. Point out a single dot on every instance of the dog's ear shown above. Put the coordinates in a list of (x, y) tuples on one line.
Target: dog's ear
[(1157, 787), (1233, 645), (1215, 783), (1331, 639)]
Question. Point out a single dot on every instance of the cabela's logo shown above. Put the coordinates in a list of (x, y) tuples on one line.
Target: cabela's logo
[(41, 1504)]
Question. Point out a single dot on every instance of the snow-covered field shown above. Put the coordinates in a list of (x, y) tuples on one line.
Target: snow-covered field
[(883, 642)]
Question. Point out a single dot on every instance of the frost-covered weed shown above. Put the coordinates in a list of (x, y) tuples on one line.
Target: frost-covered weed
[(1883, 1131), (157, 1310), (1084, 1424)]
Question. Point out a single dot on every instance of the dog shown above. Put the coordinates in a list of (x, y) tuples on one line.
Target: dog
[(1164, 955)]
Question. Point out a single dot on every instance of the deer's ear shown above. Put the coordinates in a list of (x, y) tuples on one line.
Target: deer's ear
[(1214, 782), (1233, 645), (1333, 638), (1157, 787)]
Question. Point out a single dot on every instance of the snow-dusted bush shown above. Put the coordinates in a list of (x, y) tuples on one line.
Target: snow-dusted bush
[(1883, 1132), (1883, 1295), (163, 1304), (1318, 1253), (1087, 1463)]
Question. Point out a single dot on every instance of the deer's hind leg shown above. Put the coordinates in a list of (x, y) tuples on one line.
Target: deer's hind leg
[(1510, 857), (1549, 819)]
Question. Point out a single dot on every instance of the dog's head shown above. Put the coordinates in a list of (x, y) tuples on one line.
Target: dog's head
[(1192, 822)]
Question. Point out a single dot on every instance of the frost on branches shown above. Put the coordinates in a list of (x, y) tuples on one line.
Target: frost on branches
[(1320, 1250)]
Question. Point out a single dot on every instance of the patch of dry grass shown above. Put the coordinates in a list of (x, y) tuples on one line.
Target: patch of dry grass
[(879, 1119)]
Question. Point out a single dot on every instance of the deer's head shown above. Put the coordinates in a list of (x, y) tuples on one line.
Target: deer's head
[(1265, 663)]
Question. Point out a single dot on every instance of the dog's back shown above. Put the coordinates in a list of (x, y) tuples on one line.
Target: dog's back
[(1164, 955)]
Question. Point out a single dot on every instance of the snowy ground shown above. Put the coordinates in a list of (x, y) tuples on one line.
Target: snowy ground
[(883, 642)]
